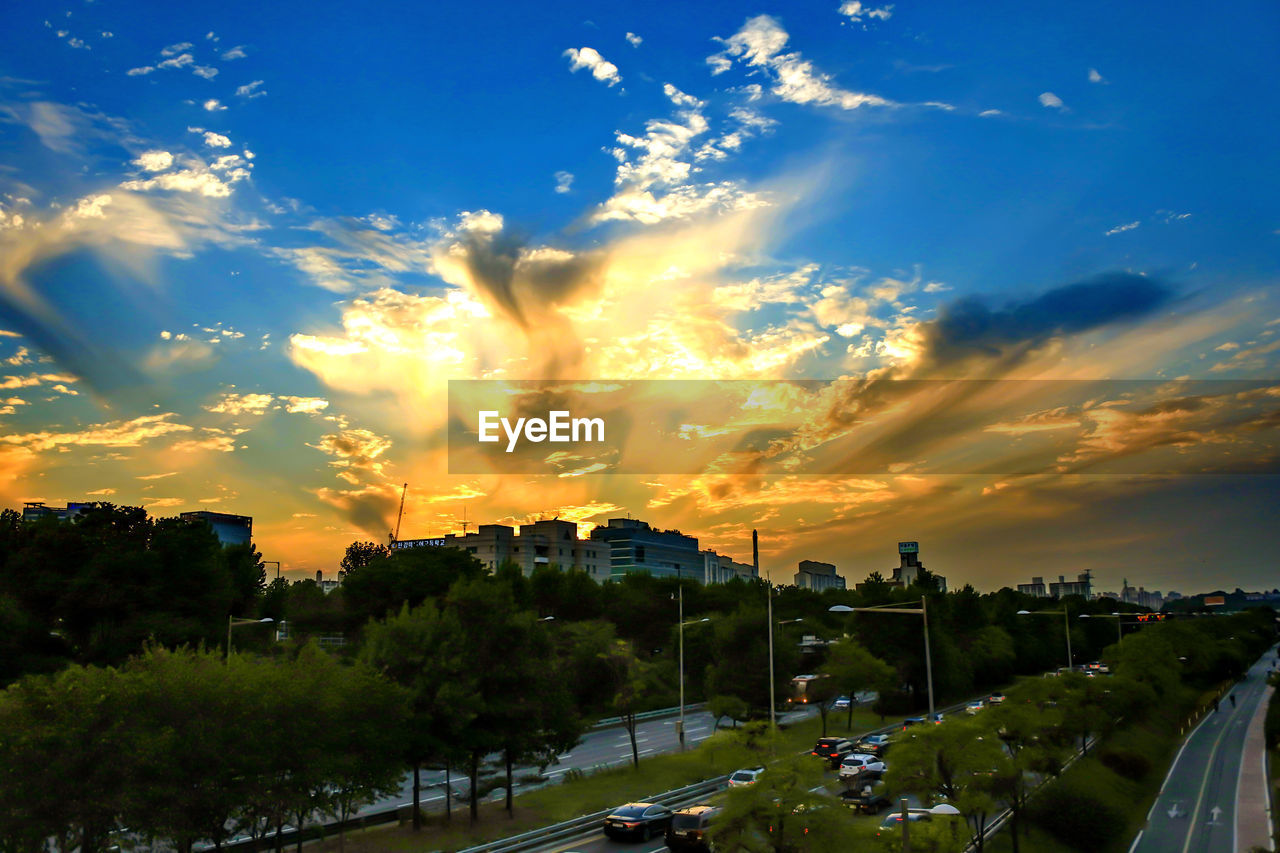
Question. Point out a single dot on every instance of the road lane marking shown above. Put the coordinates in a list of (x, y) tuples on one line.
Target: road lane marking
[(1208, 769)]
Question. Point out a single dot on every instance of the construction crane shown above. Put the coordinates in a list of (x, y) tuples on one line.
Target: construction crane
[(395, 536)]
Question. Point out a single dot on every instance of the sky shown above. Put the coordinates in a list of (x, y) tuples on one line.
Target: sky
[(245, 247)]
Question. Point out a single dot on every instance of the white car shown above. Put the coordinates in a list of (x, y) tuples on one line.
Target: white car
[(840, 703), (859, 763), (742, 778), (974, 707)]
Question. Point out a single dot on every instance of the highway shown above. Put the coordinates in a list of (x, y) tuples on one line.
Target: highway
[(1197, 809)]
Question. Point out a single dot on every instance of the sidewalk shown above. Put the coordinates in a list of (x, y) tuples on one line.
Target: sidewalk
[(1253, 803)]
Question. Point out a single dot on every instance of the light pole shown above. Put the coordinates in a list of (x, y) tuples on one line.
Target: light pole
[(773, 702), (233, 622), (680, 724), (923, 612), (1066, 626), (275, 563), (1115, 616)]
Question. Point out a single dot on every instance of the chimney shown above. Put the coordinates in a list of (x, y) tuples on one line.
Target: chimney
[(755, 552), (319, 576)]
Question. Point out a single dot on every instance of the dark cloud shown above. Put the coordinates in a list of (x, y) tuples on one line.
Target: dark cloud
[(969, 328), (526, 284)]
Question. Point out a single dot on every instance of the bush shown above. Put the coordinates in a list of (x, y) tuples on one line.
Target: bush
[(1077, 817), (1126, 763), (1271, 725)]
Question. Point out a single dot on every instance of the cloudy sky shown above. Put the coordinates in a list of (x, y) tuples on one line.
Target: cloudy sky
[(243, 248)]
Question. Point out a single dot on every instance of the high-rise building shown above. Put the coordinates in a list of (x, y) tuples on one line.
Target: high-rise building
[(818, 576), (1082, 585), (634, 546), (1035, 589), (910, 567)]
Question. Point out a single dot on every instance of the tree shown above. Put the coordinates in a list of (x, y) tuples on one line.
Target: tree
[(781, 812), (359, 555), (633, 681), (854, 669), (820, 691), (741, 658), (953, 761), (408, 575), (407, 648), (248, 576), (727, 706)]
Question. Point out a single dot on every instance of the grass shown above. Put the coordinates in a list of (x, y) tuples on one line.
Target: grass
[(717, 756)]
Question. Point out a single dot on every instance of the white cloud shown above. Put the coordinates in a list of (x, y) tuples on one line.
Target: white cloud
[(1122, 228), (236, 52), (856, 12), (213, 105), (564, 181), (216, 140), (154, 161), (241, 404), (1048, 99), (634, 40), (182, 60), (174, 49), (989, 113), (304, 405), (1095, 77), (251, 90), (588, 57), (759, 44), (145, 69), (208, 72)]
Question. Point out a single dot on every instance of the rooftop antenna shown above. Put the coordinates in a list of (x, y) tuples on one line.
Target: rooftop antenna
[(464, 520), (395, 537)]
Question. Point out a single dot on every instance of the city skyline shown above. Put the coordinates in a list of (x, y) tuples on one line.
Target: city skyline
[(243, 251)]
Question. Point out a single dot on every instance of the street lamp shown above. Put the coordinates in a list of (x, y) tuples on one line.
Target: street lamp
[(773, 702), (232, 622), (1066, 625), (1115, 616), (941, 810), (680, 724), (275, 563), (922, 611)]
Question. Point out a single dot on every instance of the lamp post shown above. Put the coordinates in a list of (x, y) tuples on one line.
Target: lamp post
[(773, 701), (923, 612), (275, 563), (1066, 626), (680, 724), (233, 622), (1115, 616)]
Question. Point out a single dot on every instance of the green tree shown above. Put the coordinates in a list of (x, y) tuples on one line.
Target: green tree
[(727, 706), (634, 683), (781, 812), (853, 669), (360, 555)]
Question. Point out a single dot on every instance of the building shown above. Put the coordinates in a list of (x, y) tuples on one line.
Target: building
[(32, 510), (1035, 589), (818, 576), (634, 546), (326, 586), (909, 567), (542, 543), (230, 529), (1140, 597), (717, 568), (1082, 585)]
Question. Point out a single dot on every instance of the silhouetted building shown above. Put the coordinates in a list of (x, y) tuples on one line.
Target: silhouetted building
[(230, 529), (910, 567), (1035, 589), (32, 510), (818, 576), (542, 543), (1082, 585)]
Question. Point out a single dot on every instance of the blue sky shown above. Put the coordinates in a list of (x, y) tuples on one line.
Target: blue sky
[(243, 247)]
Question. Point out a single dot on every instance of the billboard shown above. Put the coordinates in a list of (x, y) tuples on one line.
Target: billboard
[(417, 543), (908, 547), (1214, 600)]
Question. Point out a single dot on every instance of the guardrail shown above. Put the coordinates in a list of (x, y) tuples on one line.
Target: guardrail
[(648, 715), (586, 823)]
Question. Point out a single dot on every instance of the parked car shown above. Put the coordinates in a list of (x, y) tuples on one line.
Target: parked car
[(688, 830), (833, 749), (840, 703), (891, 824), (872, 744), (975, 706), (856, 764), (995, 699), (637, 820), (868, 794), (742, 778), (915, 721)]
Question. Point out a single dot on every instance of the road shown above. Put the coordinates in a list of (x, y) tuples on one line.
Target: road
[(1197, 808)]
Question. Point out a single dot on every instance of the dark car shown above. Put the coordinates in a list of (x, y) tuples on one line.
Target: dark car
[(915, 721), (872, 745), (637, 820), (868, 795), (832, 749), (688, 830)]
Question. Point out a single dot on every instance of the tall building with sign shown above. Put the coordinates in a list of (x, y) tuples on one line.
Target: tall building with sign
[(909, 567)]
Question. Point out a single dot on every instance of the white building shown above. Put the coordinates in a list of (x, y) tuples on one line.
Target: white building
[(543, 543), (818, 576)]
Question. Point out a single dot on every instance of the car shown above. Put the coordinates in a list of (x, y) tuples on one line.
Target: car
[(915, 721), (638, 820), (868, 795), (891, 824), (872, 744), (832, 749), (688, 830), (840, 703), (995, 699), (858, 763), (742, 778), (975, 706)]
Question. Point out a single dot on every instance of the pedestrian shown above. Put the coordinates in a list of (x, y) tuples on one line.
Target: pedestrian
[(1233, 700)]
